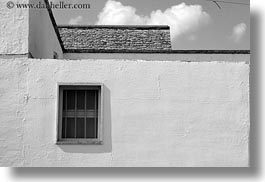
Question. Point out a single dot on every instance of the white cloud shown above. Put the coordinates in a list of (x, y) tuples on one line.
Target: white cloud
[(239, 31), (181, 18), (75, 21)]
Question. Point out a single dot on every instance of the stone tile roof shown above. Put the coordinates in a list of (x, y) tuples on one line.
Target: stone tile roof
[(115, 37)]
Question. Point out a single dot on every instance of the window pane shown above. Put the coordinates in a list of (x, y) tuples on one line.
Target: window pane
[(80, 127), (96, 100), (79, 113), (70, 99), (63, 127), (91, 99), (81, 99), (64, 99), (70, 128), (91, 128)]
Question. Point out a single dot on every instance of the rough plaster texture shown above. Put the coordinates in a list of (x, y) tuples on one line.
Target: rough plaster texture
[(156, 113), (24, 31), (14, 28), (116, 38), (159, 110)]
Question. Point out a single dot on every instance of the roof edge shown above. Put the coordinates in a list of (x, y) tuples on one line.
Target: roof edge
[(131, 27), (110, 51), (55, 26)]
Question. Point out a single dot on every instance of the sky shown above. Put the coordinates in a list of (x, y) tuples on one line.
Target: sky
[(194, 24)]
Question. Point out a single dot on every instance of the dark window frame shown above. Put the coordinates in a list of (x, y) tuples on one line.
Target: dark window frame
[(78, 141)]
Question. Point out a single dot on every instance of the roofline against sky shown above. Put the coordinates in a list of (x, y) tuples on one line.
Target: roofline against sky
[(54, 24), (56, 28), (135, 27)]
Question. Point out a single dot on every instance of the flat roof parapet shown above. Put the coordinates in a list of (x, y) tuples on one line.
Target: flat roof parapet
[(159, 51)]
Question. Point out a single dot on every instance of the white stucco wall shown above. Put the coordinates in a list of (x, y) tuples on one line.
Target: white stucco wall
[(14, 26), (24, 31), (156, 113), (159, 109)]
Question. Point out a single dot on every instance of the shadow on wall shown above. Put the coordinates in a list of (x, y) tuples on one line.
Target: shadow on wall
[(43, 42), (107, 143), (255, 80)]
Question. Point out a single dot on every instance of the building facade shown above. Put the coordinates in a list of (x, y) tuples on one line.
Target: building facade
[(150, 106)]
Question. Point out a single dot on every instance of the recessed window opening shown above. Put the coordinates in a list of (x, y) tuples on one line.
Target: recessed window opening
[(80, 114)]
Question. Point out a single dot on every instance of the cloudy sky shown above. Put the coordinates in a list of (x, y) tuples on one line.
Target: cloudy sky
[(194, 24)]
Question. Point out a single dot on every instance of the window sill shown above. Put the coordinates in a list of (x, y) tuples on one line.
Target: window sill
[(84, 142)]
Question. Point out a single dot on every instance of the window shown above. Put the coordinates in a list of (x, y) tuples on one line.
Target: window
[(80, 114)]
